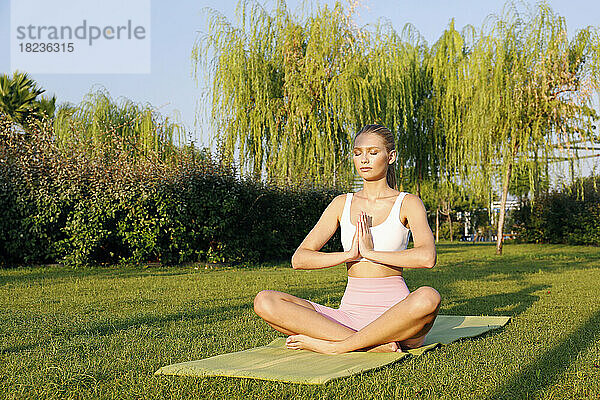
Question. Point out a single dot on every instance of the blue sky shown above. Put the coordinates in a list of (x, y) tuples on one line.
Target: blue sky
[(175, 25)]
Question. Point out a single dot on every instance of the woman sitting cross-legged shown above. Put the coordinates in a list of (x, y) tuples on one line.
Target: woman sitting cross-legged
[(377, 311)]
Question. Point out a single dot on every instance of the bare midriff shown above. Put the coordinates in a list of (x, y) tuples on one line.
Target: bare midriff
[(370, 269)]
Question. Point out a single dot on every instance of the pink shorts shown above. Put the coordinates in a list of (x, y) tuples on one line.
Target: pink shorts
[(365, 299)]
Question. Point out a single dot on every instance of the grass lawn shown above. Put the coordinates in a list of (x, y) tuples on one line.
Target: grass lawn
[(103, 332)]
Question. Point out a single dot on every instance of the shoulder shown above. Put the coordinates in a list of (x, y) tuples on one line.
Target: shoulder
[(336, 206), (412, 202), (412, 198), (412, 211), (338, 203)]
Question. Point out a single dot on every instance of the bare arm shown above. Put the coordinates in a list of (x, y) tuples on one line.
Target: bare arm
[(423, 254), (308, 256)]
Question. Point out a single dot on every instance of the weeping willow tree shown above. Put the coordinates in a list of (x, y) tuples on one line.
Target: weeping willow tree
[(446, 68), (280, 90), (101, 123), (466, 112), (401, 90), (290, 93), (527, 88)]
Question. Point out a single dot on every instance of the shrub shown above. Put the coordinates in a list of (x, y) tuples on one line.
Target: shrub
[(570, 215), (78, 207)]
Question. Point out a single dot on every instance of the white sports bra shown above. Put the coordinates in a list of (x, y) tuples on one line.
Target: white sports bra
[(390, 235)]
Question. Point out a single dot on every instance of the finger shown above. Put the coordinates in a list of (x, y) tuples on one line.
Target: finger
[(365, 230), (360, 224)]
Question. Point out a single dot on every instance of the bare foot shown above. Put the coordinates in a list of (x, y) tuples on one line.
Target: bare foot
[(385, 348), (298, 342)]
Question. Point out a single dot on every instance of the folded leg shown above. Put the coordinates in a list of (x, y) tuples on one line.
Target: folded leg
[(293, 315), (407, 322)]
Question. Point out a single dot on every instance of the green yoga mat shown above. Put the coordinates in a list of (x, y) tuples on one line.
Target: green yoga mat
[(275, 362)]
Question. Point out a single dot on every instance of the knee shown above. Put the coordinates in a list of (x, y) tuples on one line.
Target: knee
[(427, 300), (263, 302)]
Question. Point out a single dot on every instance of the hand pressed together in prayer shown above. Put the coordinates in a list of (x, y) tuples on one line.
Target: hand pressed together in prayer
[(362, 243)]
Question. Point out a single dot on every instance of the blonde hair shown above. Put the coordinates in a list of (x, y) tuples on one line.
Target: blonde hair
[(388, 140)]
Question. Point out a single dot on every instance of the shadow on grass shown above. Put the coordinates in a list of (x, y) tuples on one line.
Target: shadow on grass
[(459, 247), (210, 315), (105, 328), (513, 303), (535, 252), (37, 274), (207, 315), (547, 369), (509, 267), (18, 349)]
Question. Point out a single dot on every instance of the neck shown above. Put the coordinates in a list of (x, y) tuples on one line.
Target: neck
[(374, 190)]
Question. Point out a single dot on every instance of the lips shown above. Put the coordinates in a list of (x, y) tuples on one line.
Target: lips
[(365, 168)]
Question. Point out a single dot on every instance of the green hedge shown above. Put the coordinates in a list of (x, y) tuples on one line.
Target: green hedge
[(62, 206), (570, 216)]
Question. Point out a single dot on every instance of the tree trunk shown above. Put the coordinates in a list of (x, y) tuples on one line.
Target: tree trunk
[(334, 171), (418, 178), (450, 225), (437, 224), (447, 211), (401, 185), (500, 237)]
